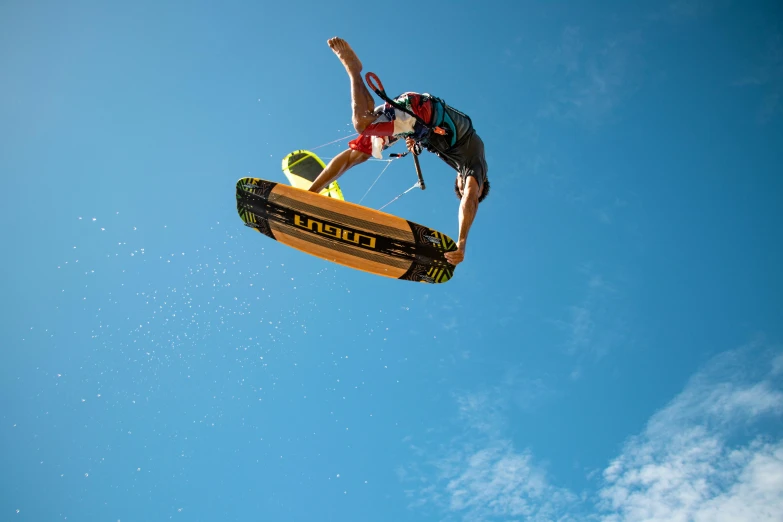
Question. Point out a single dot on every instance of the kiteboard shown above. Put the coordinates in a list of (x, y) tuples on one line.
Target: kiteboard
[(345, 233)]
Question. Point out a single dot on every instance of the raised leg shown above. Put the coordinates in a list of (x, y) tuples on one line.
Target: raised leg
[(362, 103)]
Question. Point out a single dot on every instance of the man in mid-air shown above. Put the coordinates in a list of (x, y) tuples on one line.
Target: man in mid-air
[(460, 147)]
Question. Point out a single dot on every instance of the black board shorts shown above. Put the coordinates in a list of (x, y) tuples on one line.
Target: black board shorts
[(467, 158)]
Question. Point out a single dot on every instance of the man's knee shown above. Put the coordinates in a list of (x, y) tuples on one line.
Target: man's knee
[(362, 122), (358, 156)]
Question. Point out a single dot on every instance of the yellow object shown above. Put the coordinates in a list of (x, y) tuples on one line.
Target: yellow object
[(301, 167)]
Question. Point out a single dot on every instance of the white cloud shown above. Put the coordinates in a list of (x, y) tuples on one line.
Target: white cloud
[(499, 481), (481, 476), (707, 456), (482, 412), (689, 465), (696, 477), (757, 494)]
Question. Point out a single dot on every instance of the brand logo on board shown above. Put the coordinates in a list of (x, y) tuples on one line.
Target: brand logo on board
[(333, 232)]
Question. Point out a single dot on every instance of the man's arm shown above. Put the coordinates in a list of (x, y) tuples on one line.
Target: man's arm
[(468, 207), (337, 167)]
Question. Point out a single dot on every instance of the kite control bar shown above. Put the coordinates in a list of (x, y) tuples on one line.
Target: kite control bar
[(416, 151)]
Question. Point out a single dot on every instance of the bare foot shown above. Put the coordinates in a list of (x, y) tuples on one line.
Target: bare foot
[(346, 55)]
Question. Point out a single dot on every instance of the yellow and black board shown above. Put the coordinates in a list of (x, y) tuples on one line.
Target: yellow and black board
[(345, 233)]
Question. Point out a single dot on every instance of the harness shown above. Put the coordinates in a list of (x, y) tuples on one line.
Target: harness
[(443, 124)]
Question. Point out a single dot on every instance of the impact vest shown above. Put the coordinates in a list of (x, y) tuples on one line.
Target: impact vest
[(458, 126)]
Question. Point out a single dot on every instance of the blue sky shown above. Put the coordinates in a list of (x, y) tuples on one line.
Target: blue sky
[(609, 350)]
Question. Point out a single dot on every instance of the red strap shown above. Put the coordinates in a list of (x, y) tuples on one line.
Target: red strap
[(371, 77)]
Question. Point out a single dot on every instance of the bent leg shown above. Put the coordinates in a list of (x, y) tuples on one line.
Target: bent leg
[(339, 165), (362, 103)]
